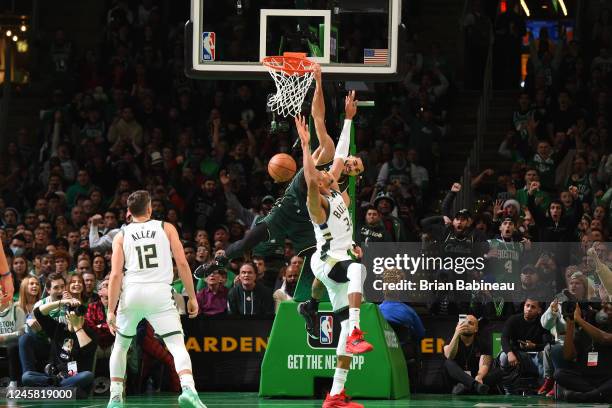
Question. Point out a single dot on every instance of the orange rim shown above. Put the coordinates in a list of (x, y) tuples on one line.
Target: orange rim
[(290, 63)]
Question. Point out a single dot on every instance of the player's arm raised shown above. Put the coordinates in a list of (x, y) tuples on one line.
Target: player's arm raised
[(114, 281), (344, 142), (183, 268), (313, 200), (324, 153)]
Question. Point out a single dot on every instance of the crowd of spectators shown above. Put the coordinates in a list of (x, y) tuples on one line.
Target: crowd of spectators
[(123, 116)]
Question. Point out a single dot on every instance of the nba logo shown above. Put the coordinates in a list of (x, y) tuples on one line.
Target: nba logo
[(208, 46), (326, 329)]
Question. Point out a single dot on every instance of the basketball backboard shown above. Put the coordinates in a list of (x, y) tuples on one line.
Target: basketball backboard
[(351, 39)]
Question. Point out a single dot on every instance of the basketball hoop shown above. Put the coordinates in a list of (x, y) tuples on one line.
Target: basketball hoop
[(292, 73)]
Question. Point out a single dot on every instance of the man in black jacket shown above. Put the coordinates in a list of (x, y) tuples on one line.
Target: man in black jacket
[(249, 298), (373, 230), (555, 226), (523, 339), (206, 207), (456, 237), (73, 349)]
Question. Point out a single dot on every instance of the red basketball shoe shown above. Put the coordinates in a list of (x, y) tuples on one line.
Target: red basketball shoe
[(355, 344), (340, 401)]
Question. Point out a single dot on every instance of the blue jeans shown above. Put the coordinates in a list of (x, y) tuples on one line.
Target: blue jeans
[(32, 350), (528, 363), (83, 381)]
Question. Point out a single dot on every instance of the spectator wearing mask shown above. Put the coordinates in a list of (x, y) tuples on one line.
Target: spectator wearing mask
[(373, 229), (287, 289), (468, 360), (590, 346), (212, 300), (73, 346), (248, 298), (523, 339)]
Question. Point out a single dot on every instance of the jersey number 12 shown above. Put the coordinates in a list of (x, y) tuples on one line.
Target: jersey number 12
[(147, 256)]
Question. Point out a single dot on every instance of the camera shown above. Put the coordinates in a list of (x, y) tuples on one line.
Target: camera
[(568, 308), (78, 310), (55, 374)]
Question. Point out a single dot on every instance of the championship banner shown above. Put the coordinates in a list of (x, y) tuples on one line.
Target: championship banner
[(227, 352)]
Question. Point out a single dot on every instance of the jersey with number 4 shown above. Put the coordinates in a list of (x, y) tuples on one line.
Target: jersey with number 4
[(148, 258), (335, 235), (506, 265)]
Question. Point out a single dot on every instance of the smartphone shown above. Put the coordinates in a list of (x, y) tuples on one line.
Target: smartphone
[(462, 318)]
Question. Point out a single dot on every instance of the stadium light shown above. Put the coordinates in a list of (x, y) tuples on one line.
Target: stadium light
[(9, 33), (525, 8), (23, 28), (15, 38)]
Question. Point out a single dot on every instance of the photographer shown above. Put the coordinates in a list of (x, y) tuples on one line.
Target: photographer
[(468, 363), (590, 347), (73, 347)]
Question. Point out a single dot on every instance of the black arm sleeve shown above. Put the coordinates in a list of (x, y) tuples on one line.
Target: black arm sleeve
[(447, 204), (429, 222), (256, 235)]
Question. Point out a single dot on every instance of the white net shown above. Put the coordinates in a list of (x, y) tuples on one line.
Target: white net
[(291, 85)]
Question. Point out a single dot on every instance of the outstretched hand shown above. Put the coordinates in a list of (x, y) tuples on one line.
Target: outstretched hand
[(350, 105), (302, 128)]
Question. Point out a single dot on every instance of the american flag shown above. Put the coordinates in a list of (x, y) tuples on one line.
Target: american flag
[(372, 56)]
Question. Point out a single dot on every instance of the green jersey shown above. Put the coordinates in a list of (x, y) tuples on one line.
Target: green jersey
[(271, 248), (289, 217), (504, 264)]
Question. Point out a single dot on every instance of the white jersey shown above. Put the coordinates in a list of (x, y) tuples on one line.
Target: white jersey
[(148, 257), (335, 236)]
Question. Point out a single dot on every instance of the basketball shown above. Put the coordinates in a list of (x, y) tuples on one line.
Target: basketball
[(281, 167)]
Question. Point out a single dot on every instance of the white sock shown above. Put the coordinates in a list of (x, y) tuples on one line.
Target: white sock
[(339, 380), (116, 388), (353, 319), (187, 382)]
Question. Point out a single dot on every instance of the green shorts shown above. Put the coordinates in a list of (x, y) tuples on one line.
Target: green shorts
[(288, 220)]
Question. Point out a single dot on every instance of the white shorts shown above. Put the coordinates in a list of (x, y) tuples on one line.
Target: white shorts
[(337, 283), (151, 301)]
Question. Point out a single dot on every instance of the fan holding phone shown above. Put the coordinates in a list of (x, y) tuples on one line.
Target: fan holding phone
[(469, 361)]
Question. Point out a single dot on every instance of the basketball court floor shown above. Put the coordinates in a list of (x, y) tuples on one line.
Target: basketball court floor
[(251, 400)]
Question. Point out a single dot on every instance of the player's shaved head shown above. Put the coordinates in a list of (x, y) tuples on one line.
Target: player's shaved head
[(138, 202)]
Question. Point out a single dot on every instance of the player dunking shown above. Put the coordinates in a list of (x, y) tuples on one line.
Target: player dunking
[(144, 249), (289, 217), (333, 263)]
